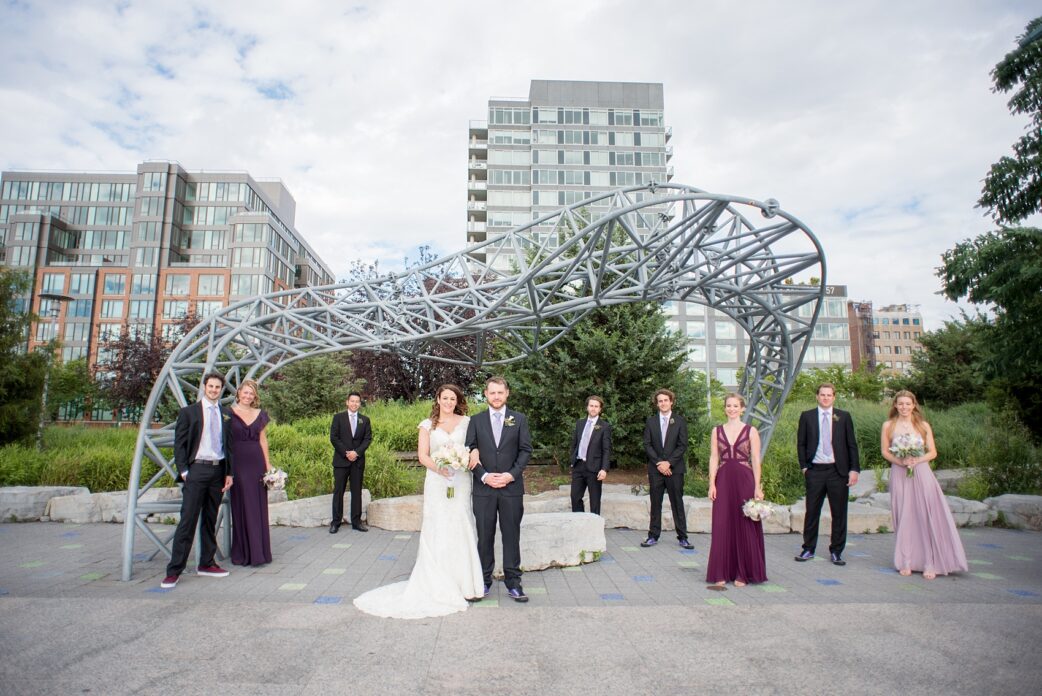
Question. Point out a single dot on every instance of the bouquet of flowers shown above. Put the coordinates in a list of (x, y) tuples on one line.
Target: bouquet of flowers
[(757, 510), (274, 479), (907, 445), (455, 457)]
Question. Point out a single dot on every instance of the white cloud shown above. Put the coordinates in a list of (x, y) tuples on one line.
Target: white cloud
[(873, 123)]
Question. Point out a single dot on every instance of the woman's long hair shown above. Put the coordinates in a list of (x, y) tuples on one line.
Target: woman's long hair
[(917, 415), (461, 403), (256, 392)]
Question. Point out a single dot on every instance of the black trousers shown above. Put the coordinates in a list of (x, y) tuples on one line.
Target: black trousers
[(825, 481), (583, 479), (674, 487), (341, 474), (509, 509), (200, 498)]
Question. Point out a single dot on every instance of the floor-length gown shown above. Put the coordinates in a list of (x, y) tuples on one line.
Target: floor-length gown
[(736, 551), (447, 569), (251, 538), (926, 538)]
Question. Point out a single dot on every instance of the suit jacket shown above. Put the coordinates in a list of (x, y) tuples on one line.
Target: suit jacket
[(343, 441), (598, 453), (844, 442), (188, 433), (676, 442), (511, 456)]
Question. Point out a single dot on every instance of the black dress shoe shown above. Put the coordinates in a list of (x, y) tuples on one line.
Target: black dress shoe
[(334, 528), (360, 527), (805, 555), (836, 560), (517, 594)]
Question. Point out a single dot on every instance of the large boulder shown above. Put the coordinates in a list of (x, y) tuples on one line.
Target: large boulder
[(866, 484), (862, 518), (104, 507), (550, 501), (970, 513), (311, 512), (951, 478), (556, 540), (1020, 511), (404, 514), (29, 503), (625, 510)]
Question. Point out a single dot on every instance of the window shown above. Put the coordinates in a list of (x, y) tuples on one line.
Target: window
[(151, 206), (622, 139), (78, 332), (205, 308), (112, 309), (142, 309), (696, 329), (53, 283), (509, 116), (148, 231), (211, 285), (74, 353), (725, 329), (726, 352), (908, 335), (510, 177), (905, 320), (510, 157), (143, 284), (153, 181), (727, 376), (177, 285), (897, 350), (81, 284), (246, 257), (175, 309), (109, 332), (696, 353), (245, 284), (146, 256), (79, 309), (115, 284), (511, 199)]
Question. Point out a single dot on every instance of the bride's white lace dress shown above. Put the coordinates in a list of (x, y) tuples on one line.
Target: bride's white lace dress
[(447, 569)]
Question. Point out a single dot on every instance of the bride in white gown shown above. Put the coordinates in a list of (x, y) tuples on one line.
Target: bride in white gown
[(447, 571)]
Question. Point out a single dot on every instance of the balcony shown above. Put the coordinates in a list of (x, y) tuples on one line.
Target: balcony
[(477, 206), (478, 148), (669, 152), (669, 133), (479, 129), (669, 173), (474, 185), (477, 227), (477, 165)]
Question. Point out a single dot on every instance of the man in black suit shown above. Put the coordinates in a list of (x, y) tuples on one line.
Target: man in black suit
[(665, 443), (350, 435), (590, 455), (203, 457), (500, 447), (827, 449)]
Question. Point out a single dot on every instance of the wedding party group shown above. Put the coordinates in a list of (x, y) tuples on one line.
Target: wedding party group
[(475, 483)]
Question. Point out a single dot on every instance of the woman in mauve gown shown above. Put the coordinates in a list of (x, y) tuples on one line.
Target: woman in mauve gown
[(736, 552), (926, 539), (251, 539)]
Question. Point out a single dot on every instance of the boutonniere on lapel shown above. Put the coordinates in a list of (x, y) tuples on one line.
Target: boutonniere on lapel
[(509, 422), (672, 421), (226, 416), (597, 427), (835, 418)]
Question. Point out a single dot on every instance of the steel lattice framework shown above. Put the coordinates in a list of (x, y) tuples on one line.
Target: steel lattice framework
[(655, 242)]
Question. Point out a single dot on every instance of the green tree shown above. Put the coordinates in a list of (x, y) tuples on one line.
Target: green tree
[(309, 387), (1013, 186), (948, 369), (21, 374), (1003, 270), (622, 353), (865, 383), (70, 383)]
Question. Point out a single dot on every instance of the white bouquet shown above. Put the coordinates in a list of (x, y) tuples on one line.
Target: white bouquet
[(455, 457), (757, 510), (907, 445), (275, 479)]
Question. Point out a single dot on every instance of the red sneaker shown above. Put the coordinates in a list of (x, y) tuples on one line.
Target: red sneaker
[(170, 581), (214, 571)]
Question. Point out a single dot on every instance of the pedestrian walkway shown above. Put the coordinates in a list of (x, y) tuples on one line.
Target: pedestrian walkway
[(638, 618)]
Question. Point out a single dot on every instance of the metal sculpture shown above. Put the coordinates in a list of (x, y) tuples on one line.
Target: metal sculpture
[(526, 288)]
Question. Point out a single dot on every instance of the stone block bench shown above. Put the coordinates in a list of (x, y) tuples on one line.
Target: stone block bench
[(29, 503)]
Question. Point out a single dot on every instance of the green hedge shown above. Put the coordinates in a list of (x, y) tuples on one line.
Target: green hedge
[(967, 435)]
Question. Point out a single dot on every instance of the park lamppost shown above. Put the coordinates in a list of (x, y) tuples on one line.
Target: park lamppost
[(54, 305)]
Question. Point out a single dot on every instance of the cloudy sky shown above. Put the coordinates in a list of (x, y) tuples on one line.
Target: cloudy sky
[(873, 122)]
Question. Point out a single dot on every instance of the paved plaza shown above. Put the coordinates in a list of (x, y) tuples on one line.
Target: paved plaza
[(637, 621)]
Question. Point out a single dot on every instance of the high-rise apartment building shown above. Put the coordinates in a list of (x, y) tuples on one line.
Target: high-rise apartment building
[(896, 330), (718, 346), (139, 251), (568, 141)]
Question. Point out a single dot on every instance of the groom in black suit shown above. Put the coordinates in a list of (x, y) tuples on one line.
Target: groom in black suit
[(590, 455), (203, 457), (500, 448), (350, 435), (827, 449)]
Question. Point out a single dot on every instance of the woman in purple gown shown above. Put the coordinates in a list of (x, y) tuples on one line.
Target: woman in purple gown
[(926, 538), (736, 553), (251, 539)]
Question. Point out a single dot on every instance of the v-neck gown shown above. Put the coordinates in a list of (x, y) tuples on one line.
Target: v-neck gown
[(447, 569), (736, 551), (251, 538)]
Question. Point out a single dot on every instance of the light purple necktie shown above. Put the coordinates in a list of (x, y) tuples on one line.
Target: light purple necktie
[(215, 430), (497, 426), (826, 436), (584, 441)]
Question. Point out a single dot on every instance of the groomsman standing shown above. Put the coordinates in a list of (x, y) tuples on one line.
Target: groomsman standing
[(203, 457), (827, 448), (665, 443), (350, 435), (590, 455)]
